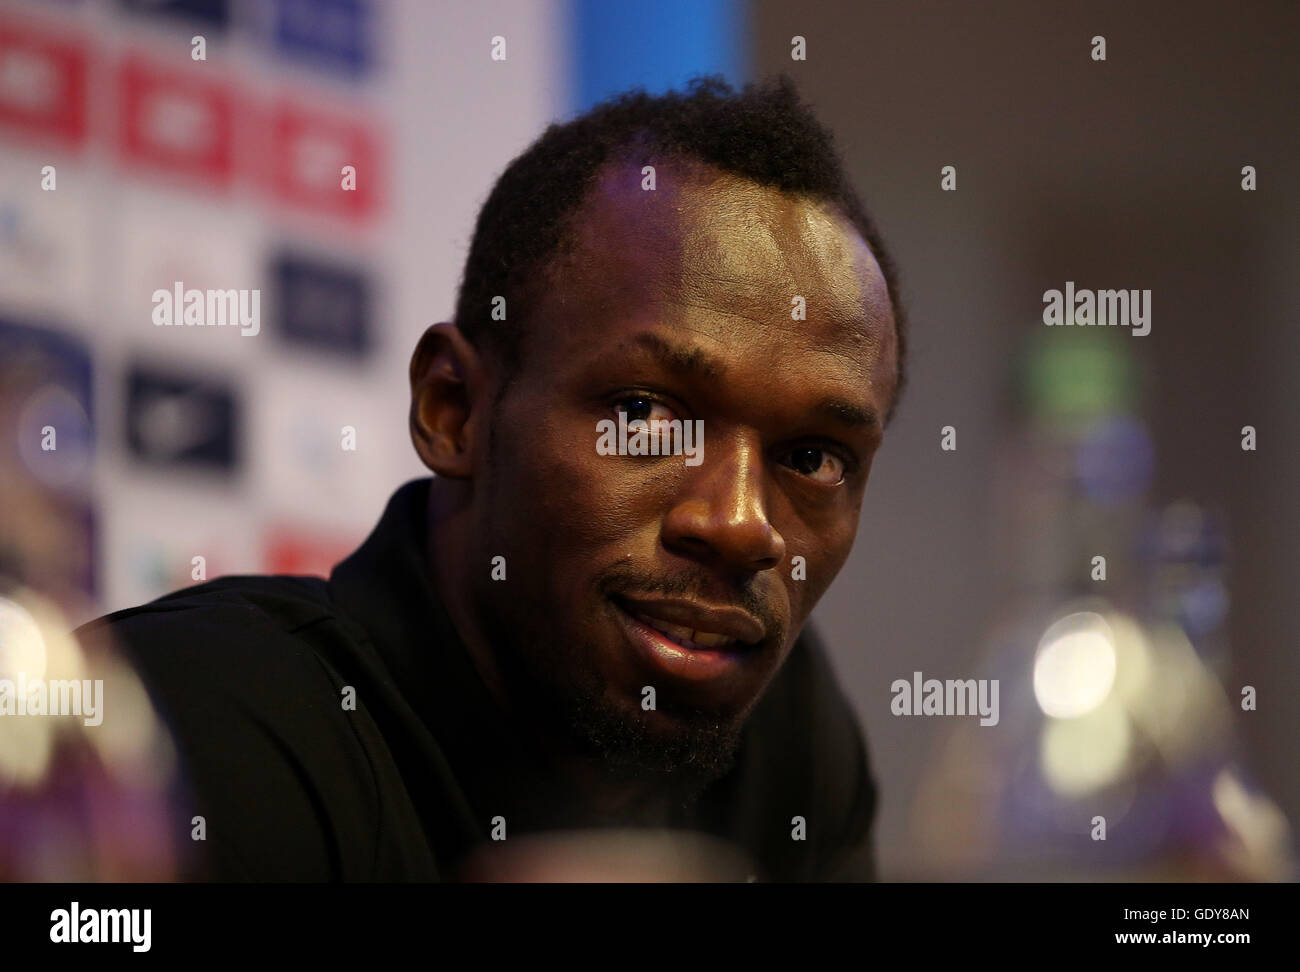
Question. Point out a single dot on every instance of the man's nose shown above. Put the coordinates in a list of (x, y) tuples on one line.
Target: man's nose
[(721, 511)]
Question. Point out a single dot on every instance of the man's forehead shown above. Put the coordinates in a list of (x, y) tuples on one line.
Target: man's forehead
[(769, 288), (717, 240)]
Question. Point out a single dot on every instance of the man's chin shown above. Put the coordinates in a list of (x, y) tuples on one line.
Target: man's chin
[(682, 749), (574, 705)]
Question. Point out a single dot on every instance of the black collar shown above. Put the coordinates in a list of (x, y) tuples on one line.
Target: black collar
[(459, 759), (387, 587)]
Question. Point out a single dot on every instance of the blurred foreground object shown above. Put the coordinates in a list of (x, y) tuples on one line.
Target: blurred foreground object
[(1115, 757), (1116, 761), (85, 766), (614, 855)]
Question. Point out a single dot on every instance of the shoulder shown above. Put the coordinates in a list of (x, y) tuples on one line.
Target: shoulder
[(271, 760), (232, 637), (238, 637), (279, 601)]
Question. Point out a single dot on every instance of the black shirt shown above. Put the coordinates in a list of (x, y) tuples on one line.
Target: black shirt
[(249, 673)]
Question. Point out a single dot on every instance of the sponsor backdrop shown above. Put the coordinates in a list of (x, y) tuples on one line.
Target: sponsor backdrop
[(202, 146)]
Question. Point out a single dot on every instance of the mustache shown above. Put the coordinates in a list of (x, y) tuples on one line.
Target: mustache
[(752, 597)]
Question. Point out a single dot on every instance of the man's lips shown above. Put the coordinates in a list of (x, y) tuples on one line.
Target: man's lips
[(683, 659), (695, 625)]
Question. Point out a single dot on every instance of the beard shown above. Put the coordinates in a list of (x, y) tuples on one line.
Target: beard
[(696, 748), (681, 748)]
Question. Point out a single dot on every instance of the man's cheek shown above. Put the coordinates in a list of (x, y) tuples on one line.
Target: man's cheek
[(547, 472), (596, 499), (566, 508)]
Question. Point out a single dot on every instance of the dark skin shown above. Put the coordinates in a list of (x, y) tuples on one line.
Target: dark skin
[(671, 303)]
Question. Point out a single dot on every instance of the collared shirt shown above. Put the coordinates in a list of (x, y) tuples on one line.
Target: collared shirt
[(338, 730)]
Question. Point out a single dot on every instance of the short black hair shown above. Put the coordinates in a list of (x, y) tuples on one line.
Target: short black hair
[(764, 133)]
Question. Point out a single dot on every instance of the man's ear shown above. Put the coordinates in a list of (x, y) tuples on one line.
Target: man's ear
[(446, 380)]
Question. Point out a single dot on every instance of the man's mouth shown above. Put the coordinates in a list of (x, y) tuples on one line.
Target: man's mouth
[(698, 626), (694, 643), (687, 637)]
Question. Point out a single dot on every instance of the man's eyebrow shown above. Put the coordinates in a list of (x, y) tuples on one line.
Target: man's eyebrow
[(686, 359), (692, 359), (848, 413)]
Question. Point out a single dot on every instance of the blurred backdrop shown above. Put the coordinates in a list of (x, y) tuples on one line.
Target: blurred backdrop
[(126, 164)]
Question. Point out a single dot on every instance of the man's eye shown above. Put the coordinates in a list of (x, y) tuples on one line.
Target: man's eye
[(643, 408), (817, 464)]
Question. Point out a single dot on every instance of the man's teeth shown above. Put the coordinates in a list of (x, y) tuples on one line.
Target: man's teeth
[(687, 637)]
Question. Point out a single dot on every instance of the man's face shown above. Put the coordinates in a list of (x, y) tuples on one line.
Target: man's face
[(679, 303)]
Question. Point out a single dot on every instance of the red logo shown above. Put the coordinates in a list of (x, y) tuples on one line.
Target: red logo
[(42, 84), (175, 121), (309, 153)]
